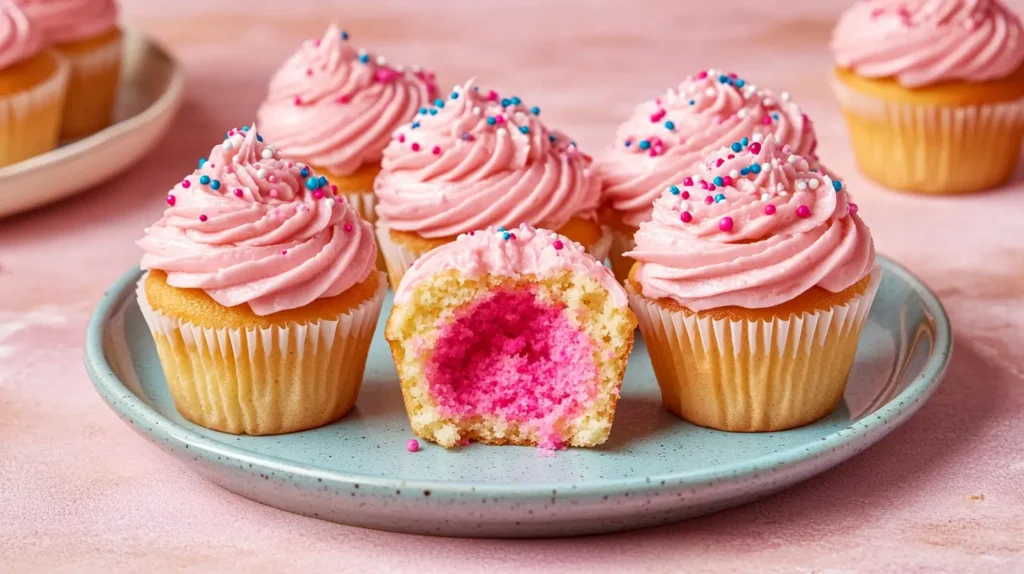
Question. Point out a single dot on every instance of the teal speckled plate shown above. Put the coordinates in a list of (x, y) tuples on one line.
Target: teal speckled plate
[(653, 470)]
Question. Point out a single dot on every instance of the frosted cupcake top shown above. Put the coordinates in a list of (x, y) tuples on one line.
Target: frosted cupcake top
[(666, 138), (64, 21), (335, 107), (249, 227), (20, 39), (477, 160), (754, 228), (923, 42), (509, 252)]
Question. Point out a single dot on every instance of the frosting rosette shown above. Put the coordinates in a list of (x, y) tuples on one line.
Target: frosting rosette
[(924, 42), (19, 38), (755, 228), (64, 21), (665, 139), (478, 160), (249, 227), (335, 106)]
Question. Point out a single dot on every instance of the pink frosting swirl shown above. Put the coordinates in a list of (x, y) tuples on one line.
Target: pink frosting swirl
[(336, 107), (20, 39), (64, 21), (666, 138), (519, 251), (922, 42), (756, 229), (251, 227), (478, 160)]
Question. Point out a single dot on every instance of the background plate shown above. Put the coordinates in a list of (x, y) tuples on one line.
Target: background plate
[(653, 470), (151, 90)]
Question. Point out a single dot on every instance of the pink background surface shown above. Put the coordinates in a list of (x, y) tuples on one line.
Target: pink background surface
[(79, 490)]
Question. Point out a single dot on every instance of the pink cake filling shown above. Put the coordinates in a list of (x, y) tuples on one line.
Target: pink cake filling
[(517, 358)]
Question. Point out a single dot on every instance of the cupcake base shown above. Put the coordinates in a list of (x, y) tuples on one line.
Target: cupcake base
[(32, 95), (235, 372), (755, 370), (95, 72)]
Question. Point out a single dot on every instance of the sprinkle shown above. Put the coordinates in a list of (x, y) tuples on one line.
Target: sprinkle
[(323, 181), (853, 207), (203, 180), (439, 103), (813, 184), (711, 187), (312, 183), (516, 101), (801, 185), (755, 148), (186, 184), (627, 143), (552, 138), (423, 111), (436, 150), (524, 129), (499, 119), (558, 245), (304, 172), (334, 189), (656, 116), (837, 185), (685, 217), (272, 178), (736, 147), (769, 209), (725, 224), (719, 162), (401, 138), (644, 145), (687, 181), (745, 171), (433, 111), (758, 138), (259, 138), (261, 173), (298, 101), (203, 218), (330, 202), (767, 120), (755, 168), (348, 228), (505, 102), (727, 180), (506, 235), (415, 125), (674, 189), (415, 147), (202, 162), (734, 174), (670, 125), (491, 121), (709, 200), (739, 83), (803, 211), (364, 57), (171, 200), (239, 193), (535, 111), (245, 129), (215, 184), (318, 194), (719, 198), (693, 102), (718, 181), (492, 96), (267, 154), (344, 35), (284, 252), (685, 195), (710, 92), (502, 132), (454, 95), (413, 445)]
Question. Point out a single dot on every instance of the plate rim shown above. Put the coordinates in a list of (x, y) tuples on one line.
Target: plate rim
[(125, 402)]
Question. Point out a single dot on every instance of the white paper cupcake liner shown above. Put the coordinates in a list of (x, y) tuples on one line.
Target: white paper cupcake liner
[(30, 119), (98, 60), (365, 203), (752, 375), (262, 381)]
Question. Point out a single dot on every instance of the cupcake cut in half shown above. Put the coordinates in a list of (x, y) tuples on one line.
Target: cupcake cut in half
[(334, 107), (932, 92), (751, 296), (262, 293), (666, 139), (511, 337), (476, 160)]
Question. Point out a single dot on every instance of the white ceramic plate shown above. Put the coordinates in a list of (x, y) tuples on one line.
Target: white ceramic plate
[(151, 90)]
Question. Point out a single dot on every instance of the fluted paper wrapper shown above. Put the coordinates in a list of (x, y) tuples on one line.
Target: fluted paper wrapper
[(262, 381), (752, 376), (30, 120), (399, 258), (931, 148), (92, 89)]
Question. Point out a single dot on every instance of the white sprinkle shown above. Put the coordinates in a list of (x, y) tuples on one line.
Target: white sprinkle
[(765, 197), (768, 102), (710, 92), (502, 133), (697, 178), (261, 173), (813, 184), (734, 173), (476, 110), (784, 96), (692, 88), (229, 145), (685, 206), (330, 202), (267, 154), (783, 193), (794, 158), (381, 60), (779, 187), (766, 166), (712, 72), (801, 185), (742, 113), (804, 165), (758, 138)]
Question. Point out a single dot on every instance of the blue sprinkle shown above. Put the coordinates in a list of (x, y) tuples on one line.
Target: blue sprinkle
[(505, 102), (744, 142), (717, 181), (776, 116), (304, 172), (693, 102), (628, 143), (535, 111), (491, 121), (203, 180), (215, 184), (344, 35), (719, 198), (524, 129), (476, 88), (745, 171), (573, 144), (837, 185), (551, 139), (501, 229), (202, 162), (670, 125), (506, 236), (364, 58), (415, 125), (736, 147), (433, 111), (245, 128), (312, 183), (454, 96), (755, 168), (723, 79), (439, 103), (465, 136), (644, 144), (322, 181), (516, 101), (739, 83), (259, 138), (423, 111), (674, 190)]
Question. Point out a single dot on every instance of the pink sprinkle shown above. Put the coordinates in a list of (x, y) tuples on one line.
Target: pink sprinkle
[(702, 75), (703, 184), (318, 194), (512, 236), (436, 150), (725, 224), (712, 187), (238, 193), (344, 99), (499, 119), (472, 233), (787, 149), (803, 211), (288, 164), (688, 181), (284, 252), (273, 193), (719, 162), (726, 180), (853, 208), (298, 101), (769, 209), (186, 184), (309, 71), (171, 200), (272, 178), (767, 120), (213, 165), (730, 156), (334, 189), (203, 218), (401, 138), (709, 200), (348, 228), (656, 116), (492, 96), (415, 147), (685, 217), (385, 75), (685, 195), (413, 445), (755, 148), (558, 245), (653, 152)]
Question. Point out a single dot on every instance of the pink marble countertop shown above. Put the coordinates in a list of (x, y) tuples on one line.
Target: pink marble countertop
[(79, 491)]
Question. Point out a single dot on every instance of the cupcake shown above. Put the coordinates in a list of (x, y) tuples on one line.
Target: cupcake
[(511, 336), (665, 140), (33, 81), (478, 160), (85, 32), (261, 293), (751, 284), (932, 92), (335, 107)]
